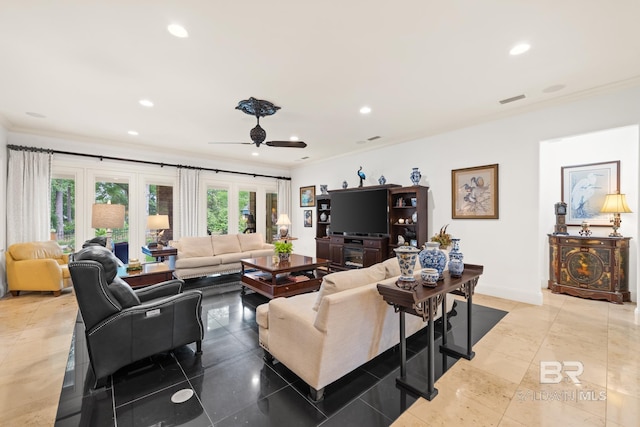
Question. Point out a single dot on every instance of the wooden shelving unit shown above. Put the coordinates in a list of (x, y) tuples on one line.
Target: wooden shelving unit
[(323, 206), (407, 220)]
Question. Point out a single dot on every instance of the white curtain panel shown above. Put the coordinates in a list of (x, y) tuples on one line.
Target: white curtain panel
[(188, 183), (284, 197), (28, 196)]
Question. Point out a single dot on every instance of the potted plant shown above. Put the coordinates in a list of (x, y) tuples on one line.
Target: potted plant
[(442, 237), (283, 248)]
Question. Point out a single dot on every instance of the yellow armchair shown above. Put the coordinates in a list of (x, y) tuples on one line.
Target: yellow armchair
[(37, 266)]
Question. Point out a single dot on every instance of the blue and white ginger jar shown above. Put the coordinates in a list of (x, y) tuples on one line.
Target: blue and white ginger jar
[(407, 262), (432, 257), (456, 263)]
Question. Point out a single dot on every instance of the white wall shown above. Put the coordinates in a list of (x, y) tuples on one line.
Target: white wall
[(513, 247), (595, 147), (3, 211)]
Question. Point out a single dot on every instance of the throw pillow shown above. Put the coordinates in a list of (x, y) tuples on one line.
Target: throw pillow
[(392, 267), (225, 244), (250, 242), (343, 280)]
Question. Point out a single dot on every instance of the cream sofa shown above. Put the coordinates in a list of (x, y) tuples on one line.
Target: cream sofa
[(215, 254), (324, 335)]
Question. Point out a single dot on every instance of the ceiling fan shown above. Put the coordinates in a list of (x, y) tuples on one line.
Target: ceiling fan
[(261, 108)]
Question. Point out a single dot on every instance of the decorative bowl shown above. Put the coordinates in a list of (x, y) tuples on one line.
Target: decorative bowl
[(430, 275)]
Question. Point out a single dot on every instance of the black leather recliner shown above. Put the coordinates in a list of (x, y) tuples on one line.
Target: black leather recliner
[(123, 325)]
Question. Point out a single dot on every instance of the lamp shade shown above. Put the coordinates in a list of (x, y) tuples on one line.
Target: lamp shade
[(283, 219), (106, 215), (615, 203), (157, 222)]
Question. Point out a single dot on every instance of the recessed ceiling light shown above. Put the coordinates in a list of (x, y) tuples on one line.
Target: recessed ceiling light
[(293, 138), (146, 103), (178, 31), (519, 49), (133, 132), (255, 153), (36, 115), (365, 110)]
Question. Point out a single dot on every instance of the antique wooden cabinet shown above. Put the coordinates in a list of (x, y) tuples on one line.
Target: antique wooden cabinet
[(590, 267)]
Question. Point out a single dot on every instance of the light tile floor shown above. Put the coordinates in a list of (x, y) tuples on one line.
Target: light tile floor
[(499, 387)]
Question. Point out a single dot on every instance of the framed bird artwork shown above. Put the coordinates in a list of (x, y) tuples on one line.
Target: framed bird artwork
[(584, 188), (474, 192)]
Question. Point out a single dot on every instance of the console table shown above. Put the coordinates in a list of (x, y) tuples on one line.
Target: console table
[(423, 302)]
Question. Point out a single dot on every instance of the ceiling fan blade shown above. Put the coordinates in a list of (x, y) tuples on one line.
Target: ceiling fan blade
[(289, 144), (236, 143)]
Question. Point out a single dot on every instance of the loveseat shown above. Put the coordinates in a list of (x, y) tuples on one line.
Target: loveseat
[(324, 335), (217, 254), (37, 266)]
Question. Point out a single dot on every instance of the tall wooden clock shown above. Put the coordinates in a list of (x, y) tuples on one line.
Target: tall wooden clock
[(561, 214)]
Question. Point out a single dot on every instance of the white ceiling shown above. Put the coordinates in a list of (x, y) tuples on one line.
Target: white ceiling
[(423, 66)]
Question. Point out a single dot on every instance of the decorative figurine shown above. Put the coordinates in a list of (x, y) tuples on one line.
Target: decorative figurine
[(584, 231), (361, 175), (323, 189), (344, 184), (382, 180)]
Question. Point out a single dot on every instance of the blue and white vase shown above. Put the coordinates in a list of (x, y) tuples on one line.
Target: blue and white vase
[(432, 257), (415, 176), (456, 264), (407, 262), (382, 180), (344, 184)]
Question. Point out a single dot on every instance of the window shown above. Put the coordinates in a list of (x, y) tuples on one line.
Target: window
[(118, 194), (217, 211), (160, 202), (272, 216), (63, 212), (247, 209)]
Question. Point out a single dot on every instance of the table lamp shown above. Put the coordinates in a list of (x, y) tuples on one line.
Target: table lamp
[(159, 223), (615, 204), (106, 215), (283, 222)]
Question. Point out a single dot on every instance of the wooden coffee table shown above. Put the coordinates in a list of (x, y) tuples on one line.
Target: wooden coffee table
[(273, 278), (151, 273)]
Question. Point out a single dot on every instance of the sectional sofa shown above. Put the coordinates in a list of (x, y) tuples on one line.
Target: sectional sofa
[(324, 335), (217, 254)]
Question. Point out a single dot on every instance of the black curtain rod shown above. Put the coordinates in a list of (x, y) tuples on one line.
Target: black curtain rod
[(146, 162)]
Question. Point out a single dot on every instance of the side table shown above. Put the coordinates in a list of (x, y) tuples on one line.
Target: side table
[(162, 253), (423, 302)]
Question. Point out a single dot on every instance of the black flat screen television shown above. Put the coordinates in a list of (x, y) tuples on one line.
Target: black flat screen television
[(362, 212)]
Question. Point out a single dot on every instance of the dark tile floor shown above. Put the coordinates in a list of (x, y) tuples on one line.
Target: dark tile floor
[(234, 386)]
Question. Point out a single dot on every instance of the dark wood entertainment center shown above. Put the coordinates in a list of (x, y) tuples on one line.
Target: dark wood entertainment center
[(355, 251)]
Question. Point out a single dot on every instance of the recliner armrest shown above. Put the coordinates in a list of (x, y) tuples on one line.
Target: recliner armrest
[(160, 290)]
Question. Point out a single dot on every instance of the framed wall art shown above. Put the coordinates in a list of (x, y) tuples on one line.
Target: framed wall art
[(308, 196), (308, 218), (584, 188), (474, 192)]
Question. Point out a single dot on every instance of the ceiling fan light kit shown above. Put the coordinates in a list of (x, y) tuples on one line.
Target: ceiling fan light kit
[(261, 108)]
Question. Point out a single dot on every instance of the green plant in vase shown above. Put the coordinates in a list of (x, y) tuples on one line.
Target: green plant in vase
[(442, 237), (283, 248)]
